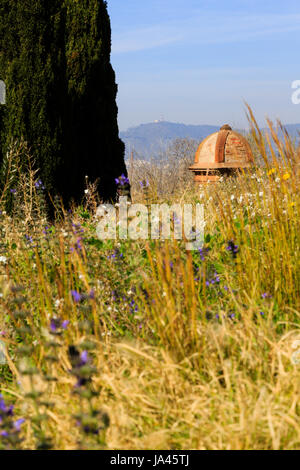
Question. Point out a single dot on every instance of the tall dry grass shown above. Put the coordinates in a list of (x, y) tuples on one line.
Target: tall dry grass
[(188, 350)]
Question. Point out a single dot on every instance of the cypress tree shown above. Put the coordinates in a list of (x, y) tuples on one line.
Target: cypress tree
[(61, 92), (32, 65)]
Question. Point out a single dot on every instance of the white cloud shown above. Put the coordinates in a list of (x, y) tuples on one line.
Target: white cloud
[(141, 39), (206, 28)]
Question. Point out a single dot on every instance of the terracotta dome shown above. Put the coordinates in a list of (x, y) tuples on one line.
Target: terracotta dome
[(221, 152)]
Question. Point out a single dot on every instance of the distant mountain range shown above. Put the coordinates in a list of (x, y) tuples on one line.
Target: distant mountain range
[(149, 140)]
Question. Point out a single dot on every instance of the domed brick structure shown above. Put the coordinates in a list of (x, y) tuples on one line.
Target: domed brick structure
[(224, 152)]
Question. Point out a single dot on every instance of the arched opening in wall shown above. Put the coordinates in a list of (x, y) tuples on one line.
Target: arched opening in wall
[(2, 92)]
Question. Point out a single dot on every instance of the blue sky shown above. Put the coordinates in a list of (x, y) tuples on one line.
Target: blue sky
[(197, 61)]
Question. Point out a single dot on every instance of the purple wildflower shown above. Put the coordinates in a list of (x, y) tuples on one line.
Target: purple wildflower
[(17, 424), (234, 249), (77, 228), (116, 254), (47, 230), (92, 294), (133, 307), (115, 295), (203, 253), (29, 239), (65, 324), (78, 245), (39, 184), (144, 184), (84, 358), (10, 429), (57, 324), (265, 295), (53, 325), (122, 180), (76, 296), (78, 361), (5, 410)]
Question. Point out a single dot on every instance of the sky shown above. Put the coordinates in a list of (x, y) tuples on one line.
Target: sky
[(198, 61)]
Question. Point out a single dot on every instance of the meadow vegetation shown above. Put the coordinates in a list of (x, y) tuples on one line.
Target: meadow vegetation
[(123, 344)]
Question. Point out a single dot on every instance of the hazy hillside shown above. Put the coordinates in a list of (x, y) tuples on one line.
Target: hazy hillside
[(148, 140)]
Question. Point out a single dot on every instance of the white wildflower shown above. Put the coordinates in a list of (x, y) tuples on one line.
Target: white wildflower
[(58, 302)]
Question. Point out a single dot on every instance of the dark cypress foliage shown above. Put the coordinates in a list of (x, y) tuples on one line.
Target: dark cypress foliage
[(61, 92)]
